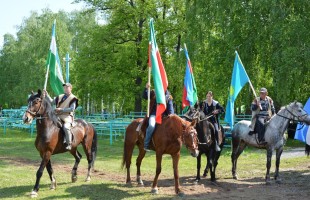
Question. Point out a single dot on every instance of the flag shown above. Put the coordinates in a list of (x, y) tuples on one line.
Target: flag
[(189, 91), (158, 73), (56, 78), (303, 131), (238, 80)]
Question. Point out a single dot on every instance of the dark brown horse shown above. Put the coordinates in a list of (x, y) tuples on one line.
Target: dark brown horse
[(50, 139), (206, 137), (167, 139)]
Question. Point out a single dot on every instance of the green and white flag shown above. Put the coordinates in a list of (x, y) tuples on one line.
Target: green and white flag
[(56, 78)]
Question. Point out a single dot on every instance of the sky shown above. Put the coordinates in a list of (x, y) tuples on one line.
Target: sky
[(12, 12)]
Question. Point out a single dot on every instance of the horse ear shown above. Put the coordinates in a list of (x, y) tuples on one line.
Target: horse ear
[(39, 92), (194, 122)]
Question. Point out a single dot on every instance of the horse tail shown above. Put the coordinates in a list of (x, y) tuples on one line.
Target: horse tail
[(94, 147), (307, 149)]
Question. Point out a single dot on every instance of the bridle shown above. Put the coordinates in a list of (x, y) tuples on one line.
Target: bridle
[(35, 114), (193, 136), (294, 116)]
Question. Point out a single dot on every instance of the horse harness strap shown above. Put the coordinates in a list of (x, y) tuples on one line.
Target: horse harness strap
[(291, 114)]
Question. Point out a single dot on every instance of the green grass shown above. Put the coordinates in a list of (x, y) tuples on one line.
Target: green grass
[(20, 161)]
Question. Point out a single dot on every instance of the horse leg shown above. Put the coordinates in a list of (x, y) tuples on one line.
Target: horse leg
[(198, 167), (77, 157), (138, 163), (205, 173), (216, 157), (268, 165), (51, 174), (237, 149), (43, 164), (175, 159), (211, 164), (159, 157), (278, 156)]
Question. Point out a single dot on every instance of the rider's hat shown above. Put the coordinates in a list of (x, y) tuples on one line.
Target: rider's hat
[(263, 90)]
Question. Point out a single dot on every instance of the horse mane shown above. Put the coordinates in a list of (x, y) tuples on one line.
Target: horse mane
[(50, 111)]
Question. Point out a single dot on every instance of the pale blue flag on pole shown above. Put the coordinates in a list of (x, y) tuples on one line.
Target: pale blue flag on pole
[(303, 131), (238, 80)]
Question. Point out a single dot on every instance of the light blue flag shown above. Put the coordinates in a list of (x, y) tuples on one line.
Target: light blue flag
[(238, 80), (303, 131)]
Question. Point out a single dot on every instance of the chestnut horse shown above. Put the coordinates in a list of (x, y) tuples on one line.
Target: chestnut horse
[(50, 139), (167, 139)]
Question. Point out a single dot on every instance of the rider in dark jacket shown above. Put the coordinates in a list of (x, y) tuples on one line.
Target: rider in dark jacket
[(213, 108)]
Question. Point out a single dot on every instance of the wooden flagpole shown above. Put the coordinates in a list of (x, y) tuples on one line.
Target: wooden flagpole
[(46, 76)]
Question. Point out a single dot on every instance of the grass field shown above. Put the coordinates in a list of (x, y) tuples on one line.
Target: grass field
[(19, 161)]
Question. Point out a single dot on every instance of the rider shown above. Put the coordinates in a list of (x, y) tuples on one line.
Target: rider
[(153, 105), (262, 109), (65, 105), (210, 106)]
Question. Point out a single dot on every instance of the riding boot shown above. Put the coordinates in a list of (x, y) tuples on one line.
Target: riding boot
[(69, 141), (68, 137)]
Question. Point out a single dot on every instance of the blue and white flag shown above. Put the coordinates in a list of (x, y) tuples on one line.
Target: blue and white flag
[(238, 80), (303, 131)]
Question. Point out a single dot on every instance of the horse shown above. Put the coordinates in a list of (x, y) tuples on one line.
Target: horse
[(50, 139), (206, 137), (274, 137), (167, 139)]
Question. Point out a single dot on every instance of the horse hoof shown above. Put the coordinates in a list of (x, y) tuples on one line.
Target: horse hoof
[(88, 179), (33, 194), (140, 183), (53, 186), (235, 177), (181, 194), (196, 181), (74, 179), (268, 182), (154, 190)]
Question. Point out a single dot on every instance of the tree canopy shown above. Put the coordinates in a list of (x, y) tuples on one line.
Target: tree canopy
[(110, 59)]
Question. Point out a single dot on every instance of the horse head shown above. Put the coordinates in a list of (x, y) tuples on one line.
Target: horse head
[(35, 107), (190, 138), (297, 112)]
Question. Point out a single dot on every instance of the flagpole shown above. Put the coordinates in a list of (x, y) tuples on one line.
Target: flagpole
[(260, 107), (46, 76), (149, 92)]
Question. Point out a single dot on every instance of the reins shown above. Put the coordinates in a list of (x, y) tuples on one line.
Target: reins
[(294, 116), (35, 114)]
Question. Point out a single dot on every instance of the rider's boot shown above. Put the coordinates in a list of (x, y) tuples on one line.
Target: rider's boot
[(68, 138)]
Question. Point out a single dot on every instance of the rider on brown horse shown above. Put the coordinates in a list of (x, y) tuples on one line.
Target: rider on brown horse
[(151, 127), (65, 106)]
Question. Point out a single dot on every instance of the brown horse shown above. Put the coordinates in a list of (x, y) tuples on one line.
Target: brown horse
[(50, 139), (167, 139)]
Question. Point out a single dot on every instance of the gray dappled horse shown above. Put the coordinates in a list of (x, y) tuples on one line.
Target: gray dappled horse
[(273, 136)]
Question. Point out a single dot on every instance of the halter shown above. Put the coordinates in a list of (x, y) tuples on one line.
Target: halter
[(294, 116), (35, 114), (191, 134)]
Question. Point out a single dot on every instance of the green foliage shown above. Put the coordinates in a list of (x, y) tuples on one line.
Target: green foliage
[(110, 59)]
